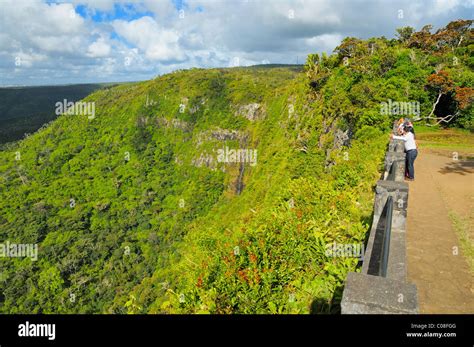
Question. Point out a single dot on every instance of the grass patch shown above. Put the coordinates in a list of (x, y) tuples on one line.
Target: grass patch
[(455, 139), (462, 227)]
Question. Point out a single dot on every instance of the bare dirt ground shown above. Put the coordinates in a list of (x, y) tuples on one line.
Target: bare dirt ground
[(436, 263)]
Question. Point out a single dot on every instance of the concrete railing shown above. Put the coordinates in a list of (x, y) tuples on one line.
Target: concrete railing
[(368, 291)]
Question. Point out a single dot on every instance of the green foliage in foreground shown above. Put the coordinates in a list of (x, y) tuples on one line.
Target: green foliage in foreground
[(134, 214)]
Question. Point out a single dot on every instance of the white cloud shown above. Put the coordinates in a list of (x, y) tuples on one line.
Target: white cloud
[(27, 60), (35, 25), (325, 42), (56, 44), (59, 44), (156, 42), (442, 6), (163, 9), (98, 49)]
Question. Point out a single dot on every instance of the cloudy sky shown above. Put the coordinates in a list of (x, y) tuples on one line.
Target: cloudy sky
[(80, 41)]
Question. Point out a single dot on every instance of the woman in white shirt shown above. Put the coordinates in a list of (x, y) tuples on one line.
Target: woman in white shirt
[(410, 149)]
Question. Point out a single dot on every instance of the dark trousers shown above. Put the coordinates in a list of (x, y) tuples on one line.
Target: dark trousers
[(409, 161)]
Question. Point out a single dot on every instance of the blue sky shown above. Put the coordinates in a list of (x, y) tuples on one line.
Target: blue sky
[(82, 41), (126, 12)]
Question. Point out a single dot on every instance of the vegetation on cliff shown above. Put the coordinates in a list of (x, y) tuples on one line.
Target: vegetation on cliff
[(138, 211)]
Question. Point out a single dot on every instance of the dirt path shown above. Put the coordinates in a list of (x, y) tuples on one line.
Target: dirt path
[(445, 283)]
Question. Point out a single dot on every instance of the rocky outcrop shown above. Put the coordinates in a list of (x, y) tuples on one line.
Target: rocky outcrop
[(196, 106), (205, 159), (252, 112), (174, 123), (219, 135), (342, 138)]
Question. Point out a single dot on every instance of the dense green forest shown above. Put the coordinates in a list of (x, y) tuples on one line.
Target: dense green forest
[(135, 212), (23, 110)]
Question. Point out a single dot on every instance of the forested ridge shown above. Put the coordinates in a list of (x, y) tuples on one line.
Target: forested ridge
[(134, 212), (23, 110)]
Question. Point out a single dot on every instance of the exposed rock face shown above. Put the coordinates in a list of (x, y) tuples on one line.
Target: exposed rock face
[(342, 138), (197, 106), (252, 112), (194, 109), (205, 159), (211, 160), (174, 123), (220, 135), (142, 121)]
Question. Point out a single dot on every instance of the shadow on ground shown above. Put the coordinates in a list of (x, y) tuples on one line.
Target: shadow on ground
[(460, 167)]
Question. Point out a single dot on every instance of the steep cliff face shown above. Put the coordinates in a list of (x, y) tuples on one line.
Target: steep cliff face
[(170, 171), (206, 190)]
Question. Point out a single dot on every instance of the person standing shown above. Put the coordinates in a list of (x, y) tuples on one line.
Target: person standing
[(411, 152)]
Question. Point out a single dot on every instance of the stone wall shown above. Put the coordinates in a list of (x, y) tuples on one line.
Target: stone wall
[(368, 292)]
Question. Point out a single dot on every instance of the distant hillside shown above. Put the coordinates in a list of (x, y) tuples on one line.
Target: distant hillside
[(292, 67), (219, 190), (26, 109)]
